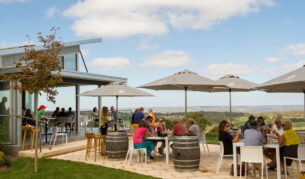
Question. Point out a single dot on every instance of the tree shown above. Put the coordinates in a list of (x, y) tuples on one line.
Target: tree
[(39, 72)]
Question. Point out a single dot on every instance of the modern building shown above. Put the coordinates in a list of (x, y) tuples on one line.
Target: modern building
[(12, 102)]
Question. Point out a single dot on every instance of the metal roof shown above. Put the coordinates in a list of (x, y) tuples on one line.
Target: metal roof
[(73, 77), (21, 49)]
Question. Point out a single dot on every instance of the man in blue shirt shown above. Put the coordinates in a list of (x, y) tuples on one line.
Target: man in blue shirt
[(246, 125), (138, 116)]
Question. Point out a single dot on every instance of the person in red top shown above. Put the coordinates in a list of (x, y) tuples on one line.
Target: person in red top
[(179, 129)]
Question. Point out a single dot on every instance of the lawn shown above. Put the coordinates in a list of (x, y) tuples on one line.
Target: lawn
[(52, 168)]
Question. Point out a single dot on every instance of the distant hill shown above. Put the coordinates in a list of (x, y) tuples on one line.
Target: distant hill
[(245, 109)]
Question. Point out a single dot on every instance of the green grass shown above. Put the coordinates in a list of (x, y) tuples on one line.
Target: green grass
[(58, 169)]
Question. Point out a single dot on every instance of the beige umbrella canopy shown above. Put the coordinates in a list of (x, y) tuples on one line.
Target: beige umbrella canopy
[(184, 80), (117, 90), (292, 82), (233, 84)]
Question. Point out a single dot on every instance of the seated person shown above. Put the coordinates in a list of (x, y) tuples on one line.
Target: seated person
[(148, 123), (193, 128), (254, 137), (226, 138), (277, 127), (140, 142), (290, 141), (29, 118), (162, 132), (56, 112), (62, 113), (178, 129), (246, 125)]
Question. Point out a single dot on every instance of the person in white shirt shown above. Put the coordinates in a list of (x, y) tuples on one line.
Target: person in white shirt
[(277, 127)]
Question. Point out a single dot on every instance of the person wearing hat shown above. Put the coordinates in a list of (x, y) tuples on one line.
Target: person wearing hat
[(41, 114)]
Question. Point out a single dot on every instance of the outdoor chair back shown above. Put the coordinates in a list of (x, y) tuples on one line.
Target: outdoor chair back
[(301, 152)]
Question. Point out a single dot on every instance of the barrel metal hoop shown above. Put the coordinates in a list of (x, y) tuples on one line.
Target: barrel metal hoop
[(187, 166), (186, 147), (186, 160), (113, 152)]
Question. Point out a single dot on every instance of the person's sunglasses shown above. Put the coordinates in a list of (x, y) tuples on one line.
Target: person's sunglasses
[(283, 125), (227, 126)]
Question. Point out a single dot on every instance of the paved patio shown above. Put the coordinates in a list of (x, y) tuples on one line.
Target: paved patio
[(157, 168)]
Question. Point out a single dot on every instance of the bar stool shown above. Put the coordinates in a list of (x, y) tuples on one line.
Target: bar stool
[(99, 140), (32, 131)]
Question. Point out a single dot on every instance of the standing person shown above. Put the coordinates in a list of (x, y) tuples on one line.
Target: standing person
[(193, 128), (140, 142), (246, 125), (41, 113), (114, 116), (254, 137), (226, 138), (29, 117), (104, 117), (56, 112), (150, 113), (95, 115), (139, 116)]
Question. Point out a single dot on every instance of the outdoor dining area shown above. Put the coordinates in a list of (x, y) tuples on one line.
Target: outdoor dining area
[(183, 151)]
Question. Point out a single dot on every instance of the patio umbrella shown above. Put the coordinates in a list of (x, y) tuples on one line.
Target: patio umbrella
[(292, 82), (233, 84), (116, 89), (184, 80)]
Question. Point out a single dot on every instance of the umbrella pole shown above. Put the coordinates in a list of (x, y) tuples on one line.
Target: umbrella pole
[(117, 111), (185, 106), (230, 94), (304, 103)]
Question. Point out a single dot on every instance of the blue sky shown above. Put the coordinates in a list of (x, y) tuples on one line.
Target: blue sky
[(147, 40)]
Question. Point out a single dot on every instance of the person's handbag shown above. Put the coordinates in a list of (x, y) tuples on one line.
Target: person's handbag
[(243, 168), (302, 175)]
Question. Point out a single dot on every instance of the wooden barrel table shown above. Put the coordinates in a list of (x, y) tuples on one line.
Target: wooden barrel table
[(186, 153), (116, 145)]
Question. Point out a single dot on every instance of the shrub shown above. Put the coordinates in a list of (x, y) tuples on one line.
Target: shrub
[(7, 161)]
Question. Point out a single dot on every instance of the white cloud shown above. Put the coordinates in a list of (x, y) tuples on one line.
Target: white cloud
[(284, 68), (296, 49), (115, 63), (168, 58), (123, 18), (51, 11), (274, 59), (145, 44), (219, 70)]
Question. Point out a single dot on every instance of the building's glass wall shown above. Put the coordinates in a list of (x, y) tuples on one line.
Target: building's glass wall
[(69, 62), (5, 119)]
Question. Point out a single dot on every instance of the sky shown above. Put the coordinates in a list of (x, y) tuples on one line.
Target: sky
[(145, 40)]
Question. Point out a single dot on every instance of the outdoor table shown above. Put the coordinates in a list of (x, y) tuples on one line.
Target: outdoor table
[(157, 138), (275, 146)]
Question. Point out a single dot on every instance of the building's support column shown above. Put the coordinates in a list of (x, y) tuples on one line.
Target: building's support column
[(13, 118), (77, 109), (99, 101), (19, 120)]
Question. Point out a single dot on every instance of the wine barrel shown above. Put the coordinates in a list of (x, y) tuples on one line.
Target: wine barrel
[(186, 153), (116, 145)]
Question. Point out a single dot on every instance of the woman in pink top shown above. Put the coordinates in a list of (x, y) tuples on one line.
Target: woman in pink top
[(140, 142)]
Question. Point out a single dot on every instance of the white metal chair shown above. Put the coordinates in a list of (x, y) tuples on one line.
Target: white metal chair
[(141, 154), (301, 157), (221, 155), (55, 134), (252, 154), (203, 141)]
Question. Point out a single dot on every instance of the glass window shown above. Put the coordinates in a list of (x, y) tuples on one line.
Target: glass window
[(5, 122), (70, 62)]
